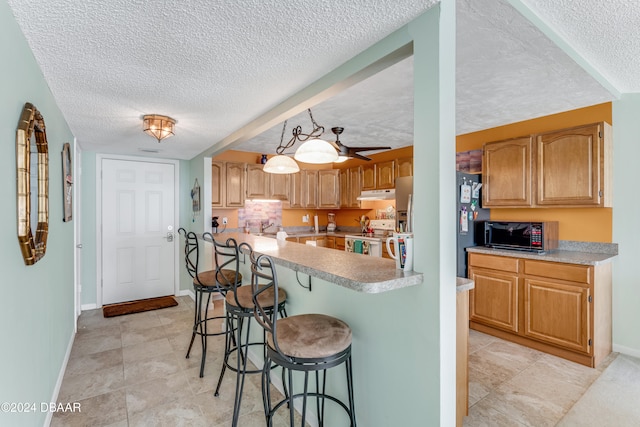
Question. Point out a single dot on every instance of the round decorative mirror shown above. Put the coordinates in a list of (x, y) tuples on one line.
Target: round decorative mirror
[(32, 164)]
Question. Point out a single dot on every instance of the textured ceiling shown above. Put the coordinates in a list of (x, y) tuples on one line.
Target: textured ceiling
[(215, 66)]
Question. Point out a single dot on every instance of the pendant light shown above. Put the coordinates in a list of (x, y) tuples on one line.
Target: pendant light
[(281, 164)]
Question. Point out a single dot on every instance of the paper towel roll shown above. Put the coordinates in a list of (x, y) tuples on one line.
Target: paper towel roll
[(315, 223)]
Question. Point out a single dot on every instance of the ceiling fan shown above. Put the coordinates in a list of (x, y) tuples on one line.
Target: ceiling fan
[(352, 152)]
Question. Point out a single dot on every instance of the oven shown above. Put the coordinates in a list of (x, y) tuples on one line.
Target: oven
[(371, 246)]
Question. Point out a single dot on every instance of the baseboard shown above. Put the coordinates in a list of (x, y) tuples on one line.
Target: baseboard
[(633, 352), (188, 293), (56, 389), (276, 380), (85, 307)]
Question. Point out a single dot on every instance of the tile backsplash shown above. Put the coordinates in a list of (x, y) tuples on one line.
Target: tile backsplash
[(255, 213)]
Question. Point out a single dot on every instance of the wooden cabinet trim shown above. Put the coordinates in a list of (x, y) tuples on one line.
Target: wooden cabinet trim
[(494, 262)]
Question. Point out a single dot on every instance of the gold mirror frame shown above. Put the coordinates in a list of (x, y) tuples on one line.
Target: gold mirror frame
[(30, 124)]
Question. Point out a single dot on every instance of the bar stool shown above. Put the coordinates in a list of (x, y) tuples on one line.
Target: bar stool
[(305, 342), (239, 308), (204, 285)]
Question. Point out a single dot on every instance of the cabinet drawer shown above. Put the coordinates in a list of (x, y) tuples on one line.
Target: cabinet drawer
[(570, 272), (494, 262)]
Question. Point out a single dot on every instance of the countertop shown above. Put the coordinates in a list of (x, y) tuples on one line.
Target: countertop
[(560, 255), (464, 284), (354, 271)]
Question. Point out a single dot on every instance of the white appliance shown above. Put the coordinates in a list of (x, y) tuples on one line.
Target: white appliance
[(371, 246)]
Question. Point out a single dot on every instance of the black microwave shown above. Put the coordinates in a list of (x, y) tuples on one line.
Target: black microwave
[(537, 237)]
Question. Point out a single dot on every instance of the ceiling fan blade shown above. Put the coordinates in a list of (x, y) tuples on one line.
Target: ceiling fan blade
[(359, 156), (357, 149)]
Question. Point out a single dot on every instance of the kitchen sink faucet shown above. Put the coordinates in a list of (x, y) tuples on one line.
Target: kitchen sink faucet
[(264, 226)]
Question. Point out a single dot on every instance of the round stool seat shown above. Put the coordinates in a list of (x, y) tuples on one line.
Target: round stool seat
[(311, 336), (245, 298), (208, 278)]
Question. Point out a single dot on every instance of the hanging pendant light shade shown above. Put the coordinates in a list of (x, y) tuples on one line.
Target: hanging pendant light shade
[(316, 151), (281, 164), (157, 126)]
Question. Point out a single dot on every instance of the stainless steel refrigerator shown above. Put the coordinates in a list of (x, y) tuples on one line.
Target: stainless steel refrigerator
[(469, 206)]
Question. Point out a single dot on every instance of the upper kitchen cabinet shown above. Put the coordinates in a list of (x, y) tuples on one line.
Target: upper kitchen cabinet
[(217, 184), (385, 175), (329, 188), (234, 184), (506, 173), (227, 184), (262, 185), (295, 190), (257, 182), (278, 186), (309, 188), (368, 177), (350, 187), (574, 167), (404, 167), (303, 189)]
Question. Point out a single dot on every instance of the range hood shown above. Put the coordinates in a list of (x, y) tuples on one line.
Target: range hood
[(389, 194)]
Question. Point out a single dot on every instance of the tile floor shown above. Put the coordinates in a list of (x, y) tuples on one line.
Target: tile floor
[(131, 371), (512, 385)]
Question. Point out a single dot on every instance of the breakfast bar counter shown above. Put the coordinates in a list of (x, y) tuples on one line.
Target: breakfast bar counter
[(384, 308), (353, 271)]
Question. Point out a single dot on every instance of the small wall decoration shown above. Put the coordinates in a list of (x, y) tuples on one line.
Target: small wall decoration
[(67, 181), (195, 200), (31, 139)]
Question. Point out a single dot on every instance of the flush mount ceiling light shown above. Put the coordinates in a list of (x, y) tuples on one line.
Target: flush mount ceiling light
[(159, 127), (281, 164)]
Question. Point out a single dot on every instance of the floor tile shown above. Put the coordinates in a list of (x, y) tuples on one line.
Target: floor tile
[(108, 409)]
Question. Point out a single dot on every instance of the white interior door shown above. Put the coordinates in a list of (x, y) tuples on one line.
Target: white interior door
[(137, 230)]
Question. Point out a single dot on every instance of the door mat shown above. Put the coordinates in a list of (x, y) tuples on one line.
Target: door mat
[(138, 306)]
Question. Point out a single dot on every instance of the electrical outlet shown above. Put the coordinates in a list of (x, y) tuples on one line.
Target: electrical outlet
[(224, 220), (305, 218)]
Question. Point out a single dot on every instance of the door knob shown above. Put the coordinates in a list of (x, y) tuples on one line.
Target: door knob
[(169, 237)]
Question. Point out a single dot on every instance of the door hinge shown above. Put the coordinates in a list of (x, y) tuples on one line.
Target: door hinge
[(590, 298), (600, 133), (589, 341), (600, 193)]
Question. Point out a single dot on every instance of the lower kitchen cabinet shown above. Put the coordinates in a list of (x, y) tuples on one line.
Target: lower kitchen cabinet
[(494, 299), (339, 243), (562, 309)]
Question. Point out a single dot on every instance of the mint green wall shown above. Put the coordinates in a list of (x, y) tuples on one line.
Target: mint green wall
[(88, 233), (36, 312), (626, 284)]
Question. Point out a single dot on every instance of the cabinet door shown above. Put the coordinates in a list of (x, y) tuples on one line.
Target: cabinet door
[(385, 175), (507, 173), (234, 188), (404, 167), (217, 184), (330, 242), (368, 177), (571, 167), (310, 188), (257, 182), (494, 299), (344, 188), (339, 243), (557, 313), (278, 186), (329, 188), (355, 186), (295, 190)]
